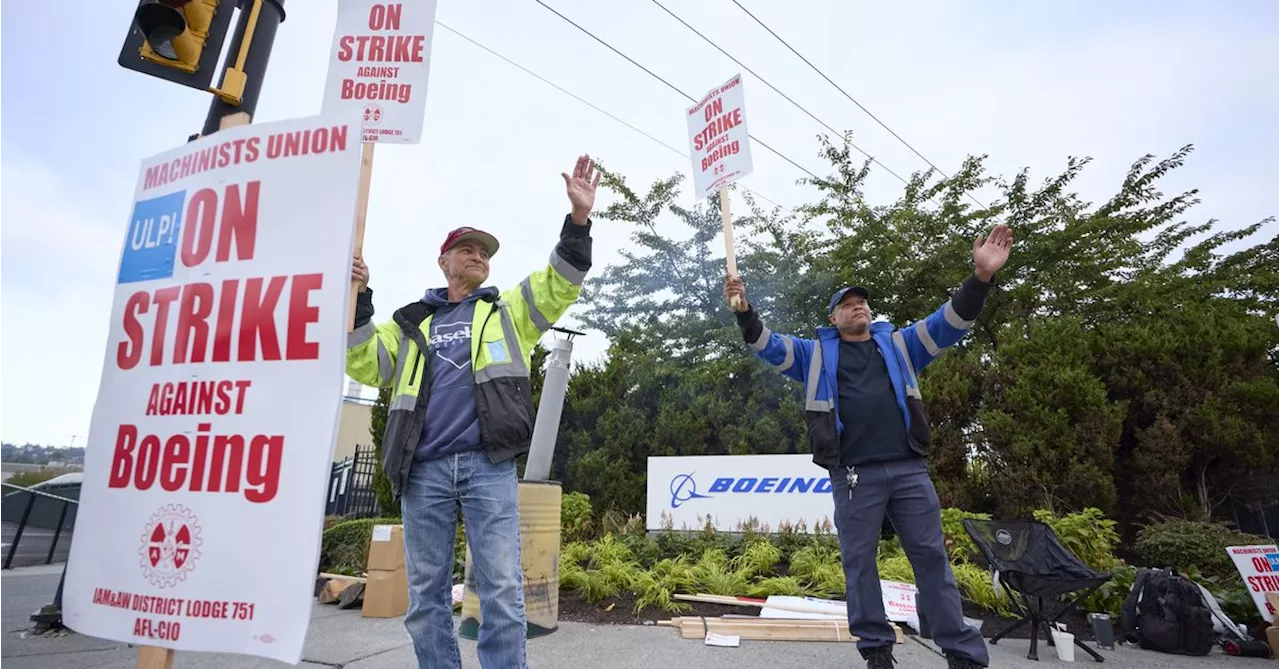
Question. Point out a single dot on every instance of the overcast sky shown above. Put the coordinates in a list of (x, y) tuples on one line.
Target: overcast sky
[(1029, 83)]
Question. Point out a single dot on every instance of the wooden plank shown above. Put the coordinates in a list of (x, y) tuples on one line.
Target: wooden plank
[(155, 657), (362, 209), (233, 120), (692, 627), (357, 579), (722, 599)]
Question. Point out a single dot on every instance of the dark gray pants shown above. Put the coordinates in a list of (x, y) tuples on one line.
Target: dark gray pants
[(903, 489)]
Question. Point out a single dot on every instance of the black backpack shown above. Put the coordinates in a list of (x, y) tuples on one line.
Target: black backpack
[(1166, 612)]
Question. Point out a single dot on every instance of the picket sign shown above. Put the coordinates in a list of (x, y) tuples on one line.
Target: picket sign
[(720, 150), (226, 318), (378, 71)]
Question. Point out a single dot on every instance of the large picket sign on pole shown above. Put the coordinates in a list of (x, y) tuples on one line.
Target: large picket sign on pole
[(720, 149), (203, 494), (378, 70)]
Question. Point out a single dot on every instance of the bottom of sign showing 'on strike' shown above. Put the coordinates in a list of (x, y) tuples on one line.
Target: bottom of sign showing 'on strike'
[(204, 479)]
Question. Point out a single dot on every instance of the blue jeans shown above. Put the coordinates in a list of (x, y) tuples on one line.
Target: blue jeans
[(487, 495), (903, 489)]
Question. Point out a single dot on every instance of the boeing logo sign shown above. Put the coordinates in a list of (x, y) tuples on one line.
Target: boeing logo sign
[(684, 488), (690, 491)]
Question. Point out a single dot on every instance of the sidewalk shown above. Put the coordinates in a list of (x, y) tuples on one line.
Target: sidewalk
[(345, 640)]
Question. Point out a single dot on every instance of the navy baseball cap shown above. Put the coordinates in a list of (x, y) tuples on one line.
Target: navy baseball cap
[(840, 295)]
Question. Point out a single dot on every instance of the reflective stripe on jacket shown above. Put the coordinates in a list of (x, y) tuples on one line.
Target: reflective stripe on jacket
[(906, 351), (504, 332)]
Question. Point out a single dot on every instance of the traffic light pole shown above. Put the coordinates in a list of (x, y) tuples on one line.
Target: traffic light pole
[(262, 36)]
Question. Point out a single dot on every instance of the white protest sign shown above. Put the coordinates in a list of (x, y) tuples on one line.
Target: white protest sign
[(378, 67), (899, 601), (1259, 567), (718, 142), (209, 448)]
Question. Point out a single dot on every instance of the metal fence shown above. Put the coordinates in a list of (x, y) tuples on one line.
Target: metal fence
[(351, 485), (35, 524)]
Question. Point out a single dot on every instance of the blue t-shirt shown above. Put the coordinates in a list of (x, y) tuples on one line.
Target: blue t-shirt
[(451, 424)]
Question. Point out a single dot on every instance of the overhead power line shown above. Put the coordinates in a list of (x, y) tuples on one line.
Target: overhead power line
[(846, 94), (669, 84), (775, 89), (569, 93)]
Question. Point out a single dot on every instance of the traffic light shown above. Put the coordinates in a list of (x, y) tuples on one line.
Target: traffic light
[(178, 40)]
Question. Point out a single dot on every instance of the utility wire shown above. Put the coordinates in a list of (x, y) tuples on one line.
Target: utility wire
[(552, 84), (669, 84), (775, 89), (851, 99)]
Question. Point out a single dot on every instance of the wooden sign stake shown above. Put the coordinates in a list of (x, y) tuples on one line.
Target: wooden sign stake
[(155, 657), (727, 222), (362, 208)]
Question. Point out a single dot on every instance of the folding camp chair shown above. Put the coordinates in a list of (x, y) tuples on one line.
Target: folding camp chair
[(1030, 562)]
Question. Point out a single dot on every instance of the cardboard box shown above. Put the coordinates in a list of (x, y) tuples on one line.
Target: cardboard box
[(386, 594), (386, 548)]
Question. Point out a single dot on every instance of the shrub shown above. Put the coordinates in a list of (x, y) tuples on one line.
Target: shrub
[(1110, 596), (959, 544), (975, 586), (1184, 544), (29, 479), (575, 516), (758, 558), (778, 585), (1088, 534), (897, 568), (344, 548), (714, 575)]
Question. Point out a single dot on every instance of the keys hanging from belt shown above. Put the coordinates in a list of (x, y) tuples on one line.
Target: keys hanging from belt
[(851, 476)]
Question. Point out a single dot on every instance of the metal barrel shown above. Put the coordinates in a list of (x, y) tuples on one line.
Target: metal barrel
[(539, 509)]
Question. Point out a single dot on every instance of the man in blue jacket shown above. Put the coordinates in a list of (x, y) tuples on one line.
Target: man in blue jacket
[(868, 428)]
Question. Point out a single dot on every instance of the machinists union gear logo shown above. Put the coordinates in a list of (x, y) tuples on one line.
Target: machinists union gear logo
[(372, 114), (171, 545)]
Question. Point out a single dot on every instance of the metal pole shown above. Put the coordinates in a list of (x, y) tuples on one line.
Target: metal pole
[(545, 428), (255, 66), (22, 525), (57, 533)]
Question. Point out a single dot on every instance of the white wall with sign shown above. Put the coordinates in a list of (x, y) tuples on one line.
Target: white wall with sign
[(731, 489)]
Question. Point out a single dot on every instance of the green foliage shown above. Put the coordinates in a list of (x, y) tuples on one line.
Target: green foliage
[(1109, 597), (714, 575), (758, 558), (1088, 534), (28, 479), (377, 427), (575, 516), (777, 585), (345, 546), (975, 586), (1184, 545), (958, 542), (897, 568)]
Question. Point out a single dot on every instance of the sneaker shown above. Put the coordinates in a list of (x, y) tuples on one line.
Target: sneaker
[(961, 662), (880, 657)]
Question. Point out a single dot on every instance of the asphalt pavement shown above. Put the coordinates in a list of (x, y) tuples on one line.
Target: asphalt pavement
[(346, 640)]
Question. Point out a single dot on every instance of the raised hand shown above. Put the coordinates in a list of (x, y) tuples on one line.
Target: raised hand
[(734, 288), (992, 252), (581, 189)]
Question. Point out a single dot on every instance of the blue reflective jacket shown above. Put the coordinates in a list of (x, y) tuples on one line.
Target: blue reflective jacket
[(906, 351)]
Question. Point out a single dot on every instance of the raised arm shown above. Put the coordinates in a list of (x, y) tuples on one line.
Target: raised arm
[(927, 338), (789, 355), (543, 297)]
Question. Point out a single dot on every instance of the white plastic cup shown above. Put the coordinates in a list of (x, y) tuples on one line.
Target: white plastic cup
[(1065, 644)]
